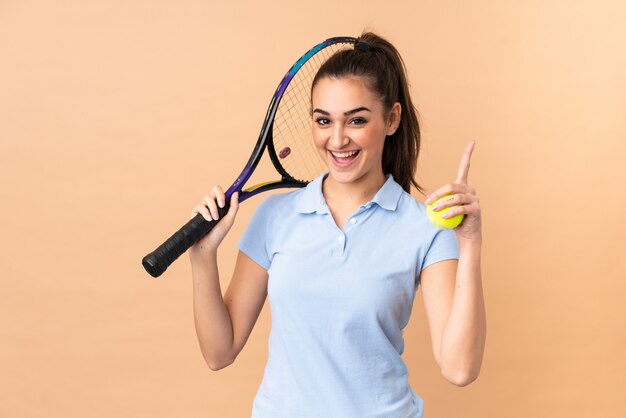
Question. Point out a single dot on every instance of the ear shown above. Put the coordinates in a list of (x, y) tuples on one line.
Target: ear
[(393, 120)]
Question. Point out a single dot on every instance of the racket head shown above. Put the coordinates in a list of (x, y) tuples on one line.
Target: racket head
[(291, 147), (287, 130)]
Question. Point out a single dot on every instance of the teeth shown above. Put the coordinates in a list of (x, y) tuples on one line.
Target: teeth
[(343, 154)]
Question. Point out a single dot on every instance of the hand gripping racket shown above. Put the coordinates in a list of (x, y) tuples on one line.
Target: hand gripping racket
[(286, 135)]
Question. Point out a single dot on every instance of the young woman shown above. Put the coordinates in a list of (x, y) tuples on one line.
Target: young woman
[(341, 259)]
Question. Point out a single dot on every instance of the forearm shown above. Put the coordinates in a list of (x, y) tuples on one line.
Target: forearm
[(212, 320), (463, 339)]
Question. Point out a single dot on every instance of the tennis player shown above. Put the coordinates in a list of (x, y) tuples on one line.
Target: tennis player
[(341, 259)]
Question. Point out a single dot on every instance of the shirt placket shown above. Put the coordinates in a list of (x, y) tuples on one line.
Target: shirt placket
[(341, 242)]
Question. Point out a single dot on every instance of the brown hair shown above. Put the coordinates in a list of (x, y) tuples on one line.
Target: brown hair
[(379, 63)]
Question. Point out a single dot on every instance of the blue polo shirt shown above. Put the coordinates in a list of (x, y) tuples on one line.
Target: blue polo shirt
[(339, 301)]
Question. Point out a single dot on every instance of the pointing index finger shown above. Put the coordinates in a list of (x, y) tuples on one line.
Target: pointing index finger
[(462, 173)]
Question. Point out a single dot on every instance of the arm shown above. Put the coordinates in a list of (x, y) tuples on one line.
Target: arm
[(223, 324), (452, 290), (453, 300)]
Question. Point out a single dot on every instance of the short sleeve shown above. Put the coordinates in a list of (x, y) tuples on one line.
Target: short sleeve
[(442, 247), (255, 240)]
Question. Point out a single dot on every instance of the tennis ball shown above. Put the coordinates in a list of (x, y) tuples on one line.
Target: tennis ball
[(438, 221)]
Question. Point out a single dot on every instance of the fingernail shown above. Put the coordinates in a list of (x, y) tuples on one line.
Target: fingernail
[(215, 215), (435, 208), (221, 203), (428, 199)]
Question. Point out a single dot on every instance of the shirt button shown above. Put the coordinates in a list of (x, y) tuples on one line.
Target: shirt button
[(353, 221), (340, 237)]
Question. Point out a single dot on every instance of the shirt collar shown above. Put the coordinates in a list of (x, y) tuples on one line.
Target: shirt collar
[(312, 200)]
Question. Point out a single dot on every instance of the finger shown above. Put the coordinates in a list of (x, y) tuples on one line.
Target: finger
[(463, 171), (234, 206), (234, 201), (209, 202), (202, 210), (472, 208), (455, 211), (450, 188), (219, 196), (439, 193), (450, 201)]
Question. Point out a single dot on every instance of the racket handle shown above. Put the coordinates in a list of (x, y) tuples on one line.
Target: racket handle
[(159, 260)]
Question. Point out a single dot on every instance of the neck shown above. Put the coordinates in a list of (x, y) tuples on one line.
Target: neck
[(354, 193)]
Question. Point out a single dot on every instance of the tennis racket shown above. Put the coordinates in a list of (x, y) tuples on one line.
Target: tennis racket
[(285, 135)]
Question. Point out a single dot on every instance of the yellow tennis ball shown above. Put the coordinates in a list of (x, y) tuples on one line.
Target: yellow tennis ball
[(436, 217)]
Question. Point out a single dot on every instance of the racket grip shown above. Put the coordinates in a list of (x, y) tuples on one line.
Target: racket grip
[(160, 259)]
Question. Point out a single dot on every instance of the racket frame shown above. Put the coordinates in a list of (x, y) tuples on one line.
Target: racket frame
[(265, 136)]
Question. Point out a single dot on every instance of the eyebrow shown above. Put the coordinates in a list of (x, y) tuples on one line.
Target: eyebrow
[(348, 113)]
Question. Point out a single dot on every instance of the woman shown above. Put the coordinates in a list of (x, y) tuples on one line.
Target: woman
[(342, 258)]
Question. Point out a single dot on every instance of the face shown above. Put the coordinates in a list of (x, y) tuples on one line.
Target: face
[(349, 129)]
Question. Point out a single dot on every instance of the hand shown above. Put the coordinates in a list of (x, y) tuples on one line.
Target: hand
[(464, 200), (208, 209)]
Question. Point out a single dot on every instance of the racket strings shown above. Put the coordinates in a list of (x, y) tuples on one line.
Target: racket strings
[(292, 136), (292, 128)]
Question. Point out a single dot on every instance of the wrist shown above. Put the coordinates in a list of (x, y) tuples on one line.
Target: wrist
[(202, 256), (470, 244)]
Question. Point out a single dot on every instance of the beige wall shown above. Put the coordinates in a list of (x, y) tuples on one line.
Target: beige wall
[(116, 116)]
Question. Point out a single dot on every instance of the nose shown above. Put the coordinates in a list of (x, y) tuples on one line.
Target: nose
[(338, 137)]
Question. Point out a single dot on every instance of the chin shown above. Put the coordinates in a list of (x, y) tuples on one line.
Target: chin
[(344, 177)]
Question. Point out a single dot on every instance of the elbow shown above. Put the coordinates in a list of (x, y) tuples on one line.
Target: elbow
[(462, 376), (462, 380), (462, 367), (216, 367), (216, 364)]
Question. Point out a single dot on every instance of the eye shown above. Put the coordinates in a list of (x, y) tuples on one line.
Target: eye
[(322, 121), (358, 121)]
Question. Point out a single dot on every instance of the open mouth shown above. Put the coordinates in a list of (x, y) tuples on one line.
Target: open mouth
[(344, 158)]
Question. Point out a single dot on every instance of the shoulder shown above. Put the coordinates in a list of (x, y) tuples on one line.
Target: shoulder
[(281, 199), (278, 205), (271, 218), (413, 213), (407, 200), (408, 204)]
